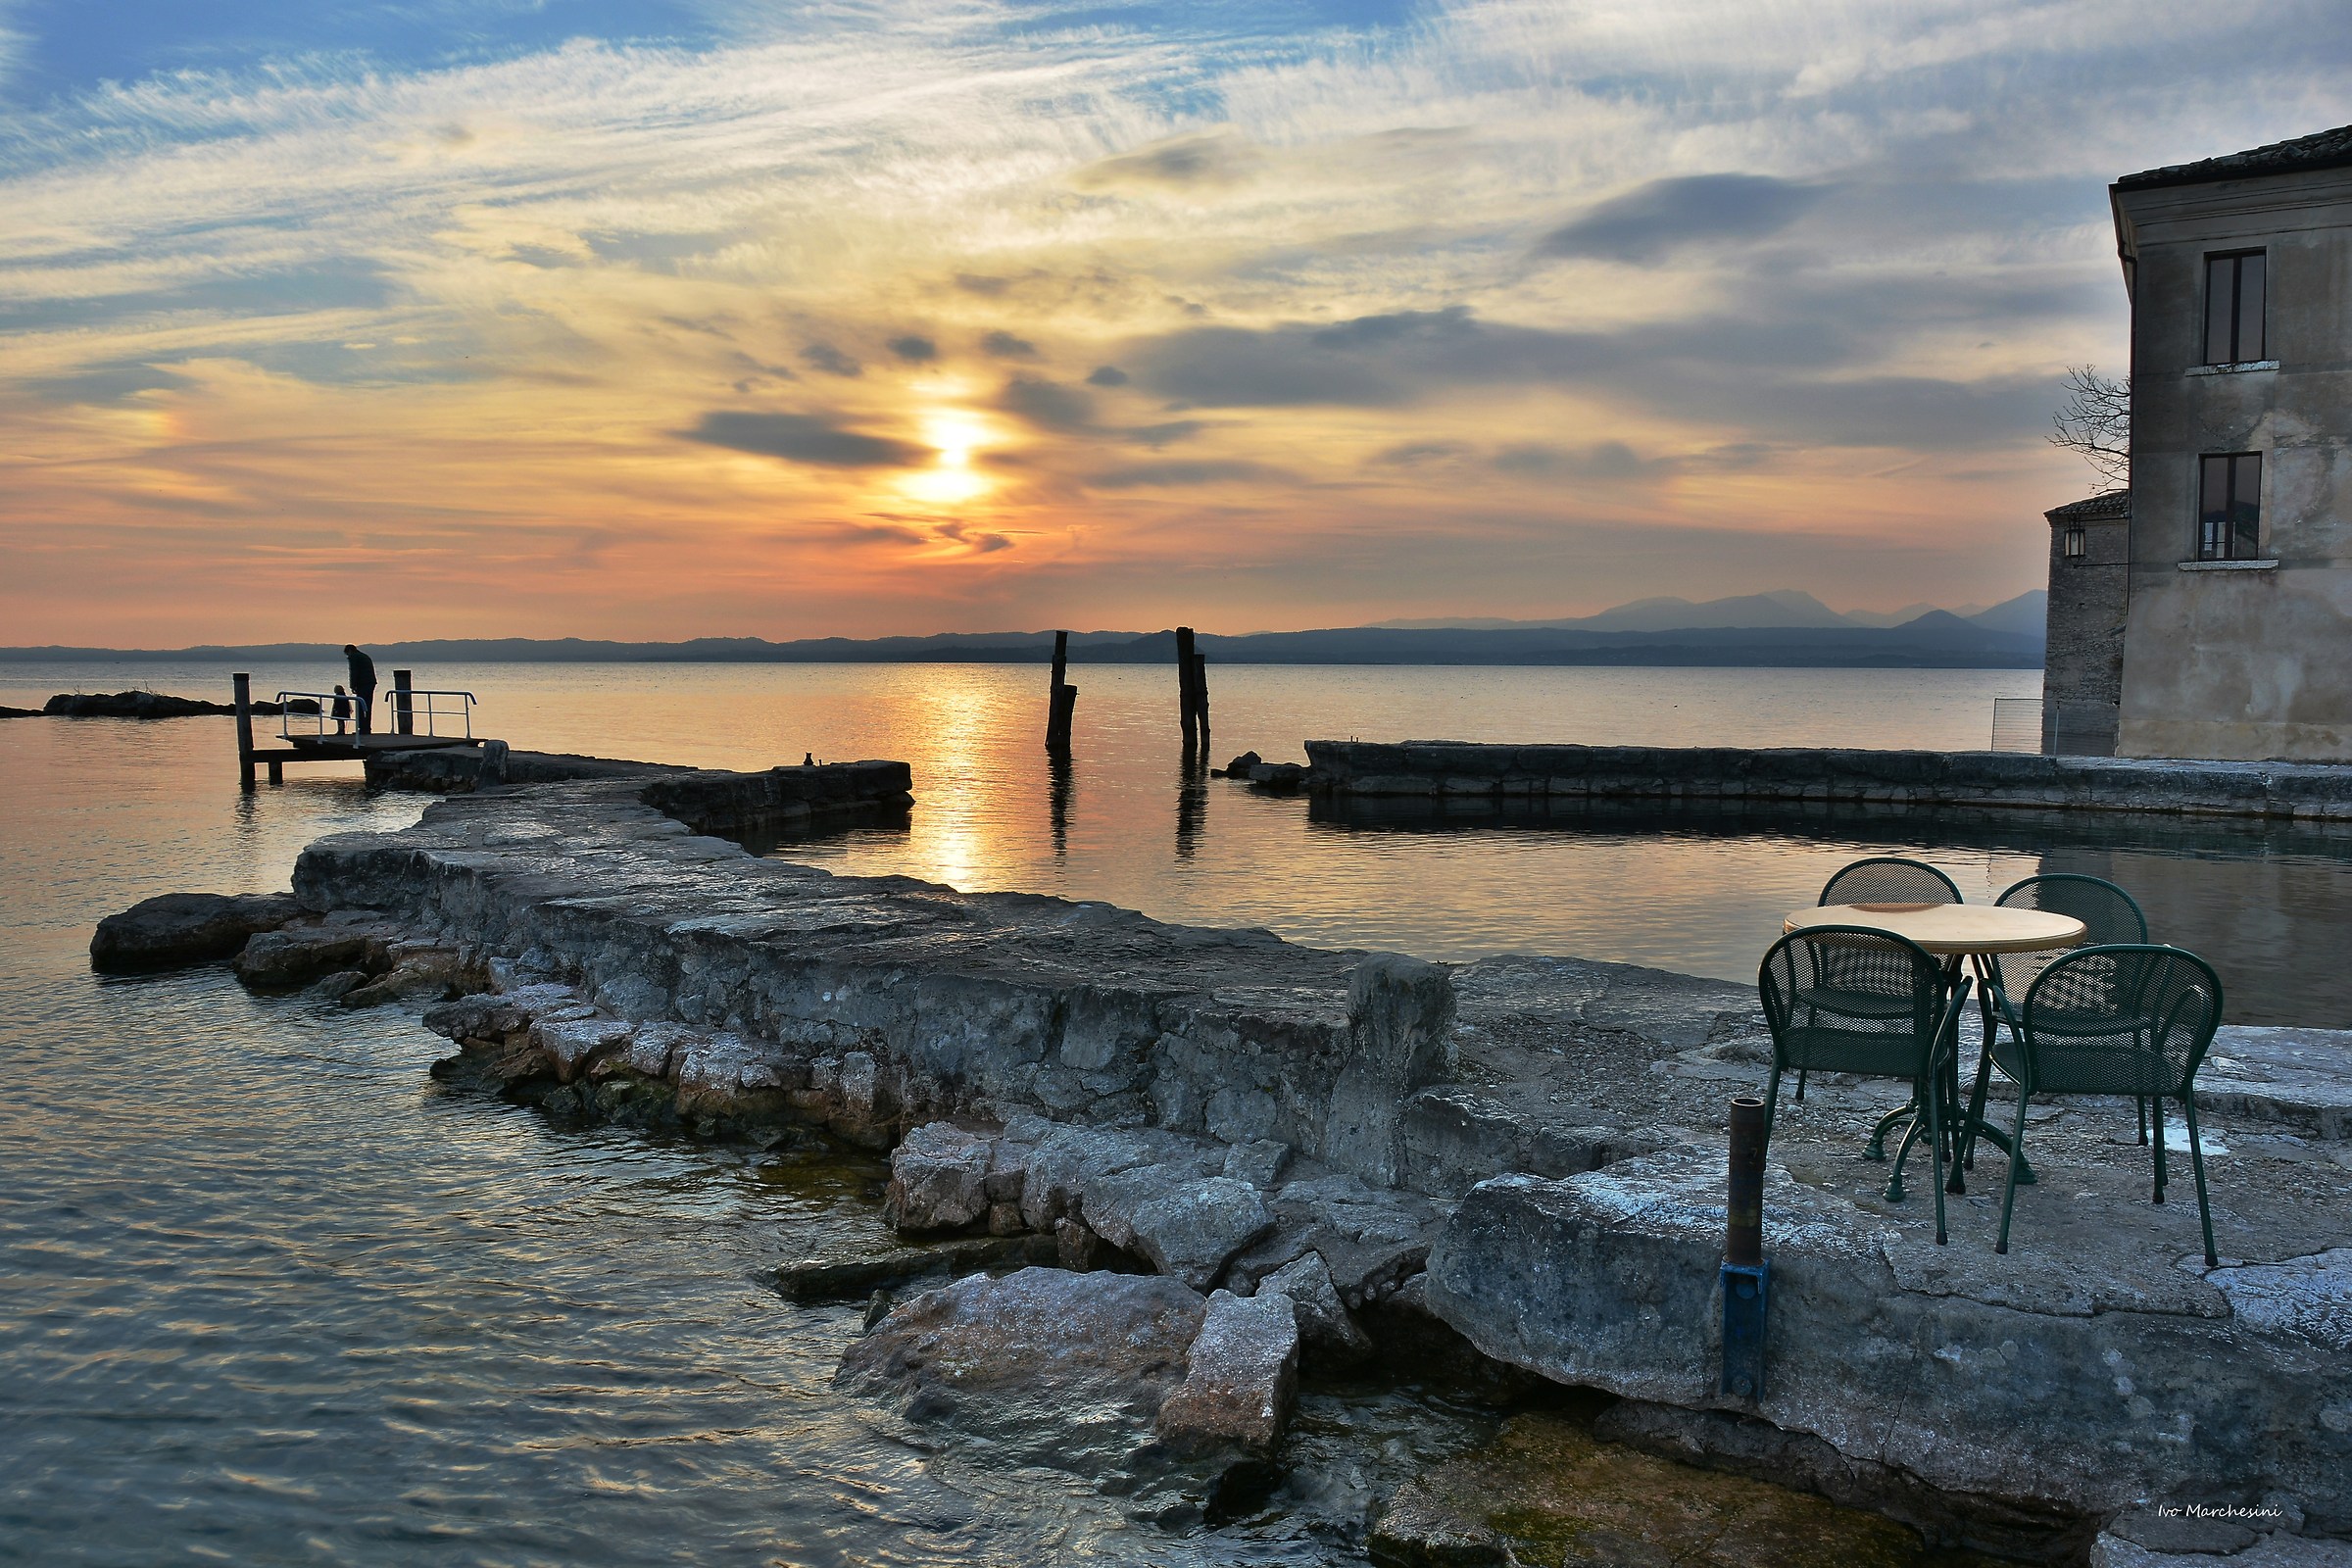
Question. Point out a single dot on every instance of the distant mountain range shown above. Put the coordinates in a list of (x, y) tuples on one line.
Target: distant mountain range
[(1787, 628), (1785, 607)]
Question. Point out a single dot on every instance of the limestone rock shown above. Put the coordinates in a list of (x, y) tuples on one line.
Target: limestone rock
[(1328, 1335), (939, 1178), (1065, 1159), (1071, 1366), (1258, 1162), (1188, 1227), (284, 958), (1240, 1376), (2087, 1370), (179, 928), (572, 1044)]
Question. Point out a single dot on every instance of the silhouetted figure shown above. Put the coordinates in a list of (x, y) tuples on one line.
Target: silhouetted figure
[(341, 708), (363, 685)]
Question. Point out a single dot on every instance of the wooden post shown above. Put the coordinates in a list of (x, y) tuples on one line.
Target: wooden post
[(242, 685), (1186, 666), (1200, 695), (1062, 700), (404, 713)]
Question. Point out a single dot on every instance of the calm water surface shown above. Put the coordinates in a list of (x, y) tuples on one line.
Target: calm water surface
[(268, 1296)]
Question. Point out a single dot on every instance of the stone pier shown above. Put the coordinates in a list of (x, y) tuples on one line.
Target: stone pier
[(1525, 1153)]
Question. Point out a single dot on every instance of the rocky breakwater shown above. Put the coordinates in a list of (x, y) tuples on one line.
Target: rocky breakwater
[(1233, 1120), (1465, 773)]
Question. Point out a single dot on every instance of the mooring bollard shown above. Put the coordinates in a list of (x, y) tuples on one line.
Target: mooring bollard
[(1747, 1272)]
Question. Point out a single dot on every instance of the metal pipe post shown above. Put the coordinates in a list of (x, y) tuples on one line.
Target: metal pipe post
[(1747, 1274), (403, 711), (1743, 1213)]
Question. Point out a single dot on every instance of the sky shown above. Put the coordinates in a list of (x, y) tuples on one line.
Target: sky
[(655, 319)]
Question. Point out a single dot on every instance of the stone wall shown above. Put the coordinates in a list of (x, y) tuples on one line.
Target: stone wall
[(2083, 660), (1466, 772)]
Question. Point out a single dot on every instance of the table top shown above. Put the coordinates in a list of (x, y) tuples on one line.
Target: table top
[(1950, 928)]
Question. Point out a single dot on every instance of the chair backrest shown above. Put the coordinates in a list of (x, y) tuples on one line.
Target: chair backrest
[(2131, 1018), (1890, 879), (1848, 998), (2110, 917)]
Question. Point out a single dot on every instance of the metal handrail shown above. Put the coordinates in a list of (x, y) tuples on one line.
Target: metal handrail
[(422, 707)]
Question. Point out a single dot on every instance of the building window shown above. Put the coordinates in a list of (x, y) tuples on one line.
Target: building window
[(2229, 507), (2075, 542), (2233, 309)]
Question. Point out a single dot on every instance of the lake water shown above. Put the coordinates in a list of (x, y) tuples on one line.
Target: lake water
[(268, 1294)]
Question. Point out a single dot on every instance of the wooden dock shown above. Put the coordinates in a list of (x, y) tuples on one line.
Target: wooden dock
[(325, 746)]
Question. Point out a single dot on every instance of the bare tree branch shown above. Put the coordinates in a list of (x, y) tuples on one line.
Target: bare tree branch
[(2095, 423)]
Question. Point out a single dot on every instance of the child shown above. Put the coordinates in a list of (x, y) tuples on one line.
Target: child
[(342, 710)]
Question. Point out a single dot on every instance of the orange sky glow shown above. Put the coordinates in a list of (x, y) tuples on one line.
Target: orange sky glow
[(944, 323)]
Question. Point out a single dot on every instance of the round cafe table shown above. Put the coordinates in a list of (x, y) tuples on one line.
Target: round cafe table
[(1953, 932)]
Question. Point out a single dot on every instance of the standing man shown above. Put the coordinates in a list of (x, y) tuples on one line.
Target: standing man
[(363, 685)]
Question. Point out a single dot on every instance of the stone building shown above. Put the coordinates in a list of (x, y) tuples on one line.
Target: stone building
[(2208, 610)]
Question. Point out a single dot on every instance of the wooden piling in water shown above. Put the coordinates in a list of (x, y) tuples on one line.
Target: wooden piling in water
[(1061, 698), (403, 709), (1192, 690), (242, 686)]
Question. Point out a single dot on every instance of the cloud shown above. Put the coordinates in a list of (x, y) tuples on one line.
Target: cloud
[(1005, 346), (1048, 404), (915, 350), (1161, 475), (1181, 162), (1668, 215), (1106, 375), (803, 438), (830, 359), (1602, 460)]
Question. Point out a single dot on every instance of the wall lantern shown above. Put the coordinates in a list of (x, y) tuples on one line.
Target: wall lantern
[(2073, 544)]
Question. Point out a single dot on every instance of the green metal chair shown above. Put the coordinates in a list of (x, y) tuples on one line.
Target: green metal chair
[(2110, 918), (2125, 1019), (1847, 998), (1890, 879), (1880, 879)]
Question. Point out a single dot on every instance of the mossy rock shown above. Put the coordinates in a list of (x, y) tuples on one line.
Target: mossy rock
[(1547, 1494)]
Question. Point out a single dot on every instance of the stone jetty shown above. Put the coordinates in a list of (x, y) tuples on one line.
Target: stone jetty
[(1252, 1159), (1467, 774)]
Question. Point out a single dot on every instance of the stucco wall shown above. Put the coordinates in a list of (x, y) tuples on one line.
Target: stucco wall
[(2242, 664)]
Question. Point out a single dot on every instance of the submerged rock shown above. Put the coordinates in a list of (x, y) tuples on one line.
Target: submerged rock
[(1240, 1376), (1070, 1368), (132, 704), (855, 1278), (284, 958), (1544, 1490), (179, 928)]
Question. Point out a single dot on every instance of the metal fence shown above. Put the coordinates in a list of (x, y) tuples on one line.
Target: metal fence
[(2017, 723)]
